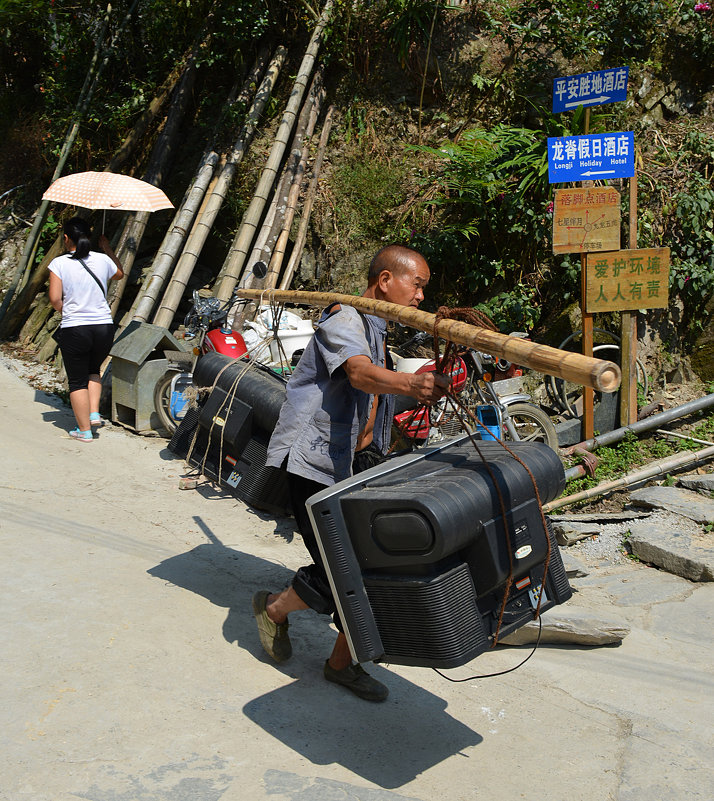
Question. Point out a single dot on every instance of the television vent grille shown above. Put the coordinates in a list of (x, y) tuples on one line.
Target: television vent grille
[(431, 621)]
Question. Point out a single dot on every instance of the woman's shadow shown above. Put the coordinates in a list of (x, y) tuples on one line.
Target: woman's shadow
[(388, 744)]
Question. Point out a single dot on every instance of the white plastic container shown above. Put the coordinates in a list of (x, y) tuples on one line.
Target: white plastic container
[(291, 339)]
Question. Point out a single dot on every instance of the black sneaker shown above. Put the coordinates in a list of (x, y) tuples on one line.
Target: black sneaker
[(273, 636), (358, 681)]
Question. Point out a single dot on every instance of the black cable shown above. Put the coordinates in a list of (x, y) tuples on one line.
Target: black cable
[(500, 672)]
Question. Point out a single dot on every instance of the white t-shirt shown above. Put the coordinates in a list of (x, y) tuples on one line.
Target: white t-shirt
[(82, 300)]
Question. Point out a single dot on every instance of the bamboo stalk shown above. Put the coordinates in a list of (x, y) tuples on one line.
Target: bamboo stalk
[(661, 466), (134, 230), (292, 174), (150, 113), (235, 260), (180, 227), (204, 222), (601, 375), (175, 236), (677, 435), (296, 254), (276, 260)]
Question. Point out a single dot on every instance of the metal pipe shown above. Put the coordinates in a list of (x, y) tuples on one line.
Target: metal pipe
[(648, 423)]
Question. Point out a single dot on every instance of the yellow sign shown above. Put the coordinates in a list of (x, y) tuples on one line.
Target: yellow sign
[(586, 219), (626, 280)]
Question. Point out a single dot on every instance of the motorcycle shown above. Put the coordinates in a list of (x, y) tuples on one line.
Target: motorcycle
[(490, 388)]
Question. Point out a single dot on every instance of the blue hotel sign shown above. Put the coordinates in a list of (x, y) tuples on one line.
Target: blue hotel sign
[(590, 89), (591, 158)]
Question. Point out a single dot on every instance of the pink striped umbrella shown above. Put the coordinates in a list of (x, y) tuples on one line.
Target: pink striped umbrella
[(107, 190)]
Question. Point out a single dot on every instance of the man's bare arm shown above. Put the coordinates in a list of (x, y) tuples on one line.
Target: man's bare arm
[(427, 388)]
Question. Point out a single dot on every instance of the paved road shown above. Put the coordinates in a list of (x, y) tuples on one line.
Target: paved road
[(132, 671)]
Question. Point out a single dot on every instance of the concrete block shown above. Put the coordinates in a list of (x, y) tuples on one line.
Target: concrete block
[(686, 503)]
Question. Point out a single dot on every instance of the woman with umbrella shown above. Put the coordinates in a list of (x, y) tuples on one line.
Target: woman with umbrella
[(78, 288)]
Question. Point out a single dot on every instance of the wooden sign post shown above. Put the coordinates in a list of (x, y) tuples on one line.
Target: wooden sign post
[(628, 333)]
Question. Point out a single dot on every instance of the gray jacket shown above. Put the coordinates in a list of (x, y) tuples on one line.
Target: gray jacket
[(323, 414)]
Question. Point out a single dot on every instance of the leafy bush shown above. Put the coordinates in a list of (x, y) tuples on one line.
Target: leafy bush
[(493, 194)]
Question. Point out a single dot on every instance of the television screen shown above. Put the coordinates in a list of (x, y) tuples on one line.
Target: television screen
[(419, 558)]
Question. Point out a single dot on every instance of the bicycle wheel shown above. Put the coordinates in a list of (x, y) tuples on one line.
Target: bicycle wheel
[(532, 425), (162, 401)]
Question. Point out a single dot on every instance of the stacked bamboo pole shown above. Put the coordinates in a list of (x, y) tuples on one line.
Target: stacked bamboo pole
[(214, 199), (235, 260), (194, 199), (292, 177), (296, 254), (134, 230), (586, 371), (174, 239)]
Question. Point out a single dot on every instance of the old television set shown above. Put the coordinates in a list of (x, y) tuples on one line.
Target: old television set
[(419, 559), (226, 435)]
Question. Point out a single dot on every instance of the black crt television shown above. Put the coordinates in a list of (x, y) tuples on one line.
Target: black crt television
[(418, 558), (226, 437)]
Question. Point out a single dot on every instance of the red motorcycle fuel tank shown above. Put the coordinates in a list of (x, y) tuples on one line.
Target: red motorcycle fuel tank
[(456, 372), (229, 343)]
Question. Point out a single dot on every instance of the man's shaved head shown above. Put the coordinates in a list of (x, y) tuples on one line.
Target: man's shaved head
[(395, 258)]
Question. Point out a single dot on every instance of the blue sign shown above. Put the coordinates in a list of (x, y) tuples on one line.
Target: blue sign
[(591, 158), (590, 89)]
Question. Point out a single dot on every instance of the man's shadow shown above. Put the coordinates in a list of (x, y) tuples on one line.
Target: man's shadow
[(388, 744)]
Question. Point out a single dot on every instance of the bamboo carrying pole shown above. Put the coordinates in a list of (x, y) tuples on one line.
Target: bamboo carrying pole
[(584, 370)]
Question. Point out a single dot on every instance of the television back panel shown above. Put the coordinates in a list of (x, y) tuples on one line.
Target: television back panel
[(418, 556), (232, 427)]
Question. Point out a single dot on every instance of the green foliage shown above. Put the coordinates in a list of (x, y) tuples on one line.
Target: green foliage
[(692, 40), (631, 453), (515, 310), (49, 233), (408, 22), (366, 192), (678, 213), (492, 192)]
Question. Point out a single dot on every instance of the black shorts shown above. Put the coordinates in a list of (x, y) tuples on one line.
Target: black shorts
[(84, 348)]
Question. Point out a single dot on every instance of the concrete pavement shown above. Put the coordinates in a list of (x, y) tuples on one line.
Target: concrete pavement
[(132, 669)]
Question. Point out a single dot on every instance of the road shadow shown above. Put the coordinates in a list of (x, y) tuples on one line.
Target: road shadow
[(388, 744), (59, 414)]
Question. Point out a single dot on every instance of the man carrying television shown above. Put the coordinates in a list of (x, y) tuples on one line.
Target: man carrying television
[(336, 421)]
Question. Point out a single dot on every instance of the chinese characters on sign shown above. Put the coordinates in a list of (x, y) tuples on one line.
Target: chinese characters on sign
[(589, 158), (627, 280), (590, 89), (586, 219)]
